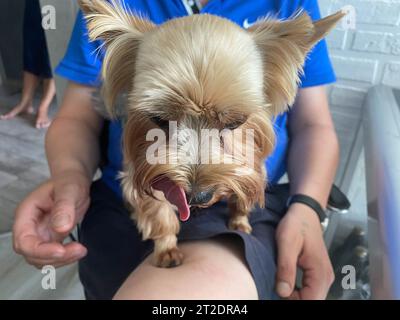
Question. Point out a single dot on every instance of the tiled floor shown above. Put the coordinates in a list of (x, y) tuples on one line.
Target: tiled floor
[(22, 167), (18, 280), (22, 160)]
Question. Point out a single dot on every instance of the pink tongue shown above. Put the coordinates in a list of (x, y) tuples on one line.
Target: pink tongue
[(175, 195)]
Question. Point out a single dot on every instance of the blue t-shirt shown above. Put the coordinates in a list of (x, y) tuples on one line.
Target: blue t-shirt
[(82, 64)]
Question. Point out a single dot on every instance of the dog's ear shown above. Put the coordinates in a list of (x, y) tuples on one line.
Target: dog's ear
[(284, 46), (122, 33)]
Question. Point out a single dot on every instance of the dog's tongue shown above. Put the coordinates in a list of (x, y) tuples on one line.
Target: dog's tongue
[(175, 195)]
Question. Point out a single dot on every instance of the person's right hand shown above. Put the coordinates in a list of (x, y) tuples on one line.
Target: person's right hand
[(46, 217)]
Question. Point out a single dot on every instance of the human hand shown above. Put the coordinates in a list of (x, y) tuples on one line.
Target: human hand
[(300, 244), (46, 217)]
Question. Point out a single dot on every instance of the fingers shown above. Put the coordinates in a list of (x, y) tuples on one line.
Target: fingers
[(41, 224), (317, 279), (295, 295), (300, 244), (31, 245), (34, 205), (288, 252), (72, 253), (70, 202), (318, 275), (63, 216), (30, 214)]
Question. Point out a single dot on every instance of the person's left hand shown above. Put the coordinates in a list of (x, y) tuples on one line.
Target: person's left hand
[(300, 244)]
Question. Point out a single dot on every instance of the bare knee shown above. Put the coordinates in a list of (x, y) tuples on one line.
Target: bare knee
[(209, 271)]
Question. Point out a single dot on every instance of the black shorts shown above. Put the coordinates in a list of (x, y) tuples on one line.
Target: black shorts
[(115, 247)]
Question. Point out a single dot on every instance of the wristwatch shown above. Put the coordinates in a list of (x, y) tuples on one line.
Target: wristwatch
[(310, 202)]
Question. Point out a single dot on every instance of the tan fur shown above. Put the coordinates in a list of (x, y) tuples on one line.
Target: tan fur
[(284, 46), (204, 72)]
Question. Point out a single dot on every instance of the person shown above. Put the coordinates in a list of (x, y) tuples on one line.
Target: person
[(219, 264), (36, 66)]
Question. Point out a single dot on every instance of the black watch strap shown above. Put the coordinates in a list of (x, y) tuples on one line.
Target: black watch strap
[(308, 201)]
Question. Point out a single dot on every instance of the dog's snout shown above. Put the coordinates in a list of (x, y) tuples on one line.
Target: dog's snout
[(199, 198)]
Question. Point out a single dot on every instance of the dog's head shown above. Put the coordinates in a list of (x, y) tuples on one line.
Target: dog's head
[(210, 87)]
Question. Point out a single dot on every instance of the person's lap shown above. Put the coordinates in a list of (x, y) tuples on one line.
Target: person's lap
[(213, 269), (218, 263)]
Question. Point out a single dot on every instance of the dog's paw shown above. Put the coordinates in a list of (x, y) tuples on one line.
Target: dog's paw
[(240, 223), (169, 258)]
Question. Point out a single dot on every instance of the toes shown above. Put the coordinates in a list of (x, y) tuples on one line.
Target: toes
[(42, 124), (170, 258), (8, 116), (13, 113), (46, 124)]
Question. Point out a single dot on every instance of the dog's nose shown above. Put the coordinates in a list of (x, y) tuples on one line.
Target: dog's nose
[(199, 198)]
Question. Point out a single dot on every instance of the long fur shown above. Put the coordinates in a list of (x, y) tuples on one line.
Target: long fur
[(284, 46), (121, 32), (204, 72)]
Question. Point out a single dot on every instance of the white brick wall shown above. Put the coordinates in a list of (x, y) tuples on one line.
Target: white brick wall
[(355, 69), (368, 55), (391, 75), (379, 42)]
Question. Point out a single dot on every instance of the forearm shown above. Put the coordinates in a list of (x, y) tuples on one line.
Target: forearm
[(72, 142), (313, 160), (71, 147)]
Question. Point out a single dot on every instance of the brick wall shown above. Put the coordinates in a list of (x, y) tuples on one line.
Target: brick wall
[(363, 57), (368, 55)]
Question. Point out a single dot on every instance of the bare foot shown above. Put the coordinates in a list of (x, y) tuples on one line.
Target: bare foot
[(42, 121), (16, 111), (30, 110)]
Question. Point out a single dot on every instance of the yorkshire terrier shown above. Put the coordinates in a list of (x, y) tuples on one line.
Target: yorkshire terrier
[(200, 72)]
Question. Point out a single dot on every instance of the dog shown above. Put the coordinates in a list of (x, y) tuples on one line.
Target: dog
[(201, 72)]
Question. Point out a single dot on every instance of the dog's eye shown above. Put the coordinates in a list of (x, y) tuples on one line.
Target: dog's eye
[(234, 125), (162, 123)]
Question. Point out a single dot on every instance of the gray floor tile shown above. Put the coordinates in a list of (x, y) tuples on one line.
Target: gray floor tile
[(15, 163), (18, 190), (7, 209), (6, 178)]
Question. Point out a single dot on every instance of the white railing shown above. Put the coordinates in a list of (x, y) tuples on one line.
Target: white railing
[(382, 158)]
